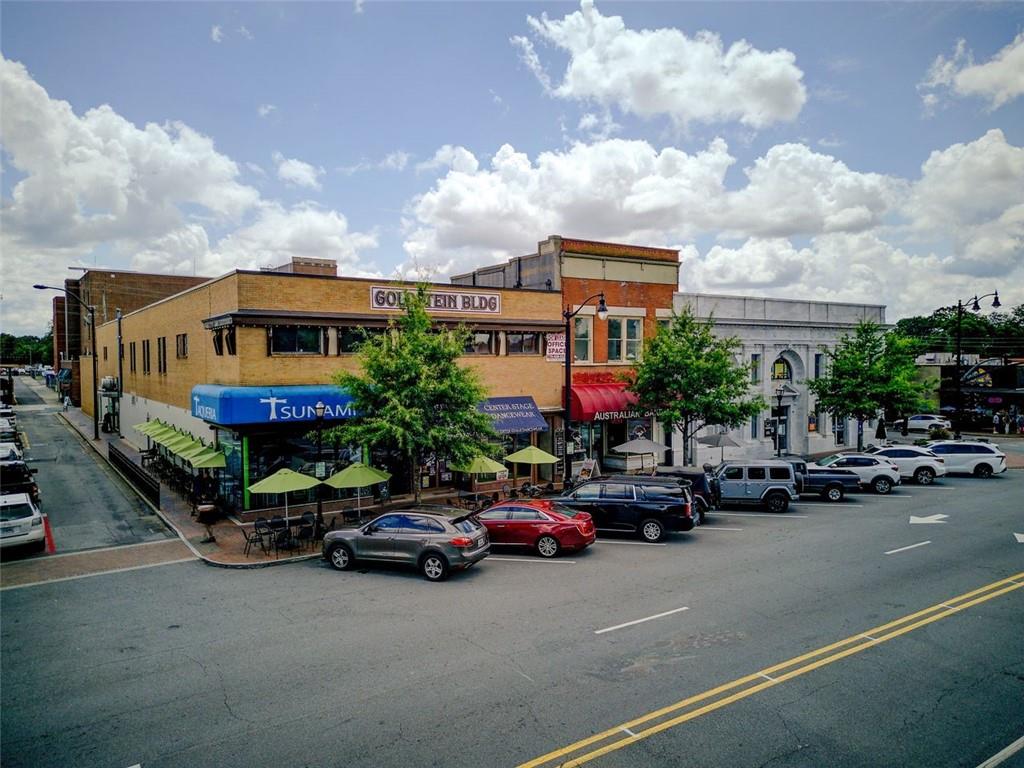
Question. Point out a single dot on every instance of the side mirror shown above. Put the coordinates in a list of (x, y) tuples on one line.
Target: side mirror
[(369, 530)]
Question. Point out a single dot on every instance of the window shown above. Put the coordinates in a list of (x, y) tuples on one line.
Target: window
[(624, 338), (592, 491), (522, 343), (755, 426), (295, 340), (839, 429), (229, 340), (493, 514), (181, 346), (819, 365), (755, 368), (778, 473), (131, 356), (581, 339), (351, 336), (812, 419), (145, 357), (523, 513), (161, 354), (104, 353), (423, 525), (480, 343), (756, 473), (733, 473), (390, 523), (781, 370), (617, 491)]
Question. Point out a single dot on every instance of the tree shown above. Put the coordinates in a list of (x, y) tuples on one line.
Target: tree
[(996, 334), (869, 372), (689, 378), (412, 394)]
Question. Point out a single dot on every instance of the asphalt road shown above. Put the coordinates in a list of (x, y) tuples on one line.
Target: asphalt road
[(186, 665), (88, 505)]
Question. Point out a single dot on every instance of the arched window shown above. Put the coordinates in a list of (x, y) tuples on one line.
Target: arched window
[(781, 370)]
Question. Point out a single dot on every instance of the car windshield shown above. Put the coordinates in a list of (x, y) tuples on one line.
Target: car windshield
[(828, 461), (562, 509), (15, 512)]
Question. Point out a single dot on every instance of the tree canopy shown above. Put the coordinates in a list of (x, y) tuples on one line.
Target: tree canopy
[(689, 378), (412, 394), (869, 372), (26, 349), (990, 335)]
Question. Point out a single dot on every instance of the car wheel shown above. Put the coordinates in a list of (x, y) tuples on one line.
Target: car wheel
[(776, 502), (341, 558), (833, 493), (924, 476), (547, 546), (652, 531), (434, 567), (983, 470), (881, 485)]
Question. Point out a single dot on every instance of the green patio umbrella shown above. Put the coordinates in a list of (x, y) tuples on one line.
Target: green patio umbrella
[(357, 475), (284, 481), (481, 465), (531, 454)]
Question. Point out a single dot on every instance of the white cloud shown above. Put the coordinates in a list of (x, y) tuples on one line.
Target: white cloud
[(216, 34), (456, 158), (297, 173), (598, 127), (256, 168), (396, 161), (265, 109), (244, 32), (999, 80), (357, 6), (665, 72)]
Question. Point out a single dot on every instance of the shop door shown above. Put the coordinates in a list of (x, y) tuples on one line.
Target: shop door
[(781, 416)]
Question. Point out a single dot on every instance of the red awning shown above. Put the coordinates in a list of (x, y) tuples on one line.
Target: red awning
[(603, 402)]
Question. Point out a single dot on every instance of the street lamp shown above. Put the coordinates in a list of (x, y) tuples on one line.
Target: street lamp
[(975, 307), (92, 343), (319, 408), (780, 393), (568, 314)]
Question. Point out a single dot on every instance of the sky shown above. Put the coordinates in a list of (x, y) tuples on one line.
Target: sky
[(832, 151)]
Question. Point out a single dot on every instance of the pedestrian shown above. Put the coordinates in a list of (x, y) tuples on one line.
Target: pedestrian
[(1020, 423), (67, 402), (995, 423)]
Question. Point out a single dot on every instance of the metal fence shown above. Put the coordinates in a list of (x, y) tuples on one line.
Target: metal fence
[(147, 486)]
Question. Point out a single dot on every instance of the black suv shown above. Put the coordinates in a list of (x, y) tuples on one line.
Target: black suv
[(16, 477), (650, 510), (707, 494)]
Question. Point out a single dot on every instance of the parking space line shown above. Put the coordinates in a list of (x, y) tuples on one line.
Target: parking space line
[(769, 678), (1001, 756), (833, 504), (100, 573), (641, 621), (912, 546), (717, 528), (631, 543), (762, 515), (530, 560)]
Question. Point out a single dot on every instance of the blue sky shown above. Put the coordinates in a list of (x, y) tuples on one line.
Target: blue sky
[(428, 138)]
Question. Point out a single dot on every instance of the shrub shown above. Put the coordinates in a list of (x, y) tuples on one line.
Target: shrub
[(938, 433)]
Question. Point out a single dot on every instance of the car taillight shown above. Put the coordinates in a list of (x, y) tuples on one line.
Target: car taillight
[(687, 510), (37, 521), (461, 541)]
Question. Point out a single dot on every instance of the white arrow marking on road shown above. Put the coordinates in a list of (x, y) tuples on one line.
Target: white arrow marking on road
[(1020, 537), (930, 519)]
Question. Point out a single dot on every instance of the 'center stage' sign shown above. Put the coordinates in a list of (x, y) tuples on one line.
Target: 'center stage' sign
[(383, 297)]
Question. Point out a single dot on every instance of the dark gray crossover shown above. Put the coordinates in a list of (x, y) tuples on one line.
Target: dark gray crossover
[(434, 540)]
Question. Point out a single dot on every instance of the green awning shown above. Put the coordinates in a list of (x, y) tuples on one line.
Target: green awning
[(209, 460)]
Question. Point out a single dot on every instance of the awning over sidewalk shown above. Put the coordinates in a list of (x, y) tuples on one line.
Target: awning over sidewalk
[(513, 414), (603, 402), (268, 405)]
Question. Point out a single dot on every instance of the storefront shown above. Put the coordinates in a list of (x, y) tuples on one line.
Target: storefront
[(520, 423), (604, 416)]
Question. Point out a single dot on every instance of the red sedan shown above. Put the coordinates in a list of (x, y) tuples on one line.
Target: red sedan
[(548, 528)]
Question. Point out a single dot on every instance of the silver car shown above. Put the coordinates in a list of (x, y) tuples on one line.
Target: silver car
[(436, 540)]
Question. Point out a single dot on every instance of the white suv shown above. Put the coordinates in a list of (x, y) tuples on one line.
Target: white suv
[(978, 459), (922, 422), (879, 474), (918, 463), (20, 522)]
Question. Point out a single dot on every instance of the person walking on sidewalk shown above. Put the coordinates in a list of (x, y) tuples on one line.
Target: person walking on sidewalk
[(995, 423), (67, 402)]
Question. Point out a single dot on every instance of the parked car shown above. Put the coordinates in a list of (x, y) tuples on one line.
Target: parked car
[(879, 474), (914, 462), (632, 507), (436, 540), (540, 525), (771, 484), (21, 522), (10, 452), (17, 477), (976, 458), (922, 422), (10, 434), (7, 414), (703, 486), (673, 484), (830, 484)]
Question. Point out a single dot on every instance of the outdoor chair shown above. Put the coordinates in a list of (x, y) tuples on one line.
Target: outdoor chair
[(261, 528), (252, 537), (306, 531)]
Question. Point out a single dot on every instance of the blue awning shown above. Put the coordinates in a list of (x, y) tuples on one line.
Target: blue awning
[(269, 405), (514, 414)]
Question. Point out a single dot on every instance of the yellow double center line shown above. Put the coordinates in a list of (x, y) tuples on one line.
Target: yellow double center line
[(659, 720)]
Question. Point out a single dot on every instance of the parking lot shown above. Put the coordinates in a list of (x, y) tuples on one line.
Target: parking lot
[(716, 647)]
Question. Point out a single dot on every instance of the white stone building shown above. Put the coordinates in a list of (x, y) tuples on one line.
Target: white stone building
[(783, 342)]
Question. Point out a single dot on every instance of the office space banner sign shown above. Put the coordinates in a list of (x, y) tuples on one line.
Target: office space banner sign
[(555, 347), (385, 297)]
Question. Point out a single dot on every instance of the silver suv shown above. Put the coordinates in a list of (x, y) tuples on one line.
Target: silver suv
[(436, 540), (771, 484)]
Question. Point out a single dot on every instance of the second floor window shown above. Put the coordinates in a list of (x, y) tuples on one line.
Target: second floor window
[(295, 340), (755, 368), (131, 356), (181, 346), (517, 343), (480, 343), (625, 334), (819, 365), (145, 357), (161, 354), (581, 339), (781, 370)]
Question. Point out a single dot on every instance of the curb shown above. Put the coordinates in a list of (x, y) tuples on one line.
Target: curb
[(166, 521)]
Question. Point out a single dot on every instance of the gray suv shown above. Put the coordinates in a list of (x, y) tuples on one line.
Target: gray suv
[(435, 540), (771, 484)]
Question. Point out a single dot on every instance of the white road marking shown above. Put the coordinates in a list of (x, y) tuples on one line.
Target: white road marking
[(717, 528), (832, 504), (122, 547), (763, 516), (624, 729), (526, 676), (937, 519), (767, 677), (1004, 754), (99, 573), (1019, 537), (530, 560), (869, 637), (631, 543), (898, 497), (640, 621), (904, 549)]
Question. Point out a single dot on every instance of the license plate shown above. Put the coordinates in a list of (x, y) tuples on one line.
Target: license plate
[(8, 529)]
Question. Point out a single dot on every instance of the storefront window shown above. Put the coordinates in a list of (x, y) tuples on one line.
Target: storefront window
[(839, 428), (350, 337), (295, 339), (581, 339), (480, 343), (624, 338), (517, 343)]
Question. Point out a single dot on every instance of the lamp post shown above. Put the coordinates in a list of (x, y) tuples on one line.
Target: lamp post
[(975, 307), (780, 392), (319, 408), (568, 314), (92, 344)]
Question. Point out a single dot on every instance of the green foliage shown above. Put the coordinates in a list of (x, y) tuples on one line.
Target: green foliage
[(689, 378), (871, 371), (990, 335), (26, 349), (938, 433), (412, 394)]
